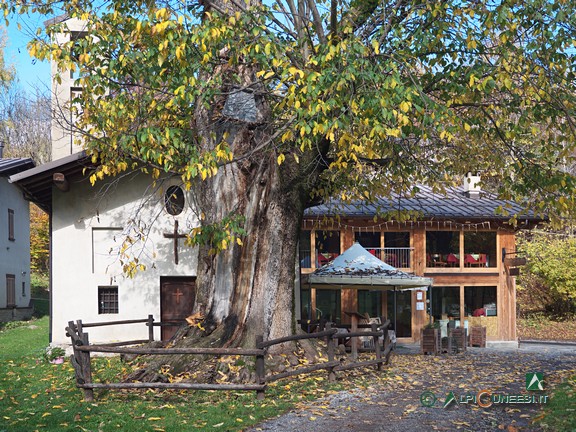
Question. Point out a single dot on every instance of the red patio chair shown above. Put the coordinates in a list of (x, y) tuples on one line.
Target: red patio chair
[(452, 260), (481, 262), (469, 260)]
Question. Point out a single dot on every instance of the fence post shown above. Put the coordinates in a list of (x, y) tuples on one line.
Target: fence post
[(331, 373), (84, 361), (150, 325), (387, 342), (377, 345), (75, 358), (260, 368)]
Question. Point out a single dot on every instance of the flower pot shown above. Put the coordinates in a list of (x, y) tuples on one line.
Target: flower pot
[(430, 341)]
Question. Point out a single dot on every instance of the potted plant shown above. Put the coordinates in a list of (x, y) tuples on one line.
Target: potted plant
[(430, 338), (54, 355)]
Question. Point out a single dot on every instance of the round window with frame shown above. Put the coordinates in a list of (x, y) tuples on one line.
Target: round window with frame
[(174, 200)]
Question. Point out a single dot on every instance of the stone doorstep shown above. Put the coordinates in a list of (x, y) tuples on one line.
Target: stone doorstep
[(566, 343), (502, 344)]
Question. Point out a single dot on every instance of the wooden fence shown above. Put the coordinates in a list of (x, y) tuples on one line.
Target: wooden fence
[(81, 359)]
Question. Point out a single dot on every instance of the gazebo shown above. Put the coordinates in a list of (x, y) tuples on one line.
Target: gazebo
[(357, 268)]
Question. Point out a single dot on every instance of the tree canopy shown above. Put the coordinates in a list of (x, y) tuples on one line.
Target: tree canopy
[(375, 96)]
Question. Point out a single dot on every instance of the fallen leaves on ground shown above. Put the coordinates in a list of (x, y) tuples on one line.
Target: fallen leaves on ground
[(393, 395)]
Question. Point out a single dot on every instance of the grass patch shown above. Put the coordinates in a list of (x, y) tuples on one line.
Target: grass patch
[(560, 412), (36, 395)]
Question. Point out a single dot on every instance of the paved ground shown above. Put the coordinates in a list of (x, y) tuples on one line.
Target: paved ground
[(394, 403)]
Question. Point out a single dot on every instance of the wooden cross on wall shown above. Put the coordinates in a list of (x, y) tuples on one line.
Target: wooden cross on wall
[(175, 236), (178, 294)]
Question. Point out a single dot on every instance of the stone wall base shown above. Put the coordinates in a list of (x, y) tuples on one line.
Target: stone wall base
[(16, 314)]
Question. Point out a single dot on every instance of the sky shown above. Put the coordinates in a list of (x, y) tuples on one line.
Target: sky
[(30, 72)]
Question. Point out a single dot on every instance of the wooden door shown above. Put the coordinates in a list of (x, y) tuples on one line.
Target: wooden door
[(176, 302)]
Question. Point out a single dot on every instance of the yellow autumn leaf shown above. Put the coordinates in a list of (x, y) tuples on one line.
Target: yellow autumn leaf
[(46, 414), (154, 418)]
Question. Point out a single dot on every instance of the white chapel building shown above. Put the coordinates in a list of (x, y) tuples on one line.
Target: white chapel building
[(88, 225)]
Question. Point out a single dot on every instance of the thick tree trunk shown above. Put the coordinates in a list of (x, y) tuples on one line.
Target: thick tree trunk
[(249, 289)]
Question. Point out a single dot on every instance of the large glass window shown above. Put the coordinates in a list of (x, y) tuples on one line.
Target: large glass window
[(480, 249), (305, 249), (370, 302), (445, 303), (480, 300), (397, 249), (399, 309), (442, 248), (368, 239), (396, 239), (327, 246), (305, 304), (328, 305)]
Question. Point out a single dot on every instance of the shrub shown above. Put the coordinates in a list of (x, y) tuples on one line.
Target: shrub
[(548, 281)]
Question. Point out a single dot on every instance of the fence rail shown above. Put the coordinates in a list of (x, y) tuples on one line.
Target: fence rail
[(81, 359)]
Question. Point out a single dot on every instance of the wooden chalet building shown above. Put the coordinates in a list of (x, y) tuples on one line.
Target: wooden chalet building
[(458, 240)]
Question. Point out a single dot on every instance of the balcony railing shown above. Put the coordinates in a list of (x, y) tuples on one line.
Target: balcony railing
[(399, 257)]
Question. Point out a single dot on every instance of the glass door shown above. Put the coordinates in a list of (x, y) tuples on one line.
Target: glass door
[(402, 319)]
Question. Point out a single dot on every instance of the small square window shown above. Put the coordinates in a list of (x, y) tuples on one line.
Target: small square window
[(108, 300)]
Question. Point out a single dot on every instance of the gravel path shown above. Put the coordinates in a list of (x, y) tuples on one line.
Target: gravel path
[(393, 403)]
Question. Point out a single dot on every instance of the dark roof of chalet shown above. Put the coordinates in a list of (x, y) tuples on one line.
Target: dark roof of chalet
[(9, 166), (56, 20), (456, 204), (37, 182)]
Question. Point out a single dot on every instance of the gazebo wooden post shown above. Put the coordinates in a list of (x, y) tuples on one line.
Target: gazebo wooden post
[(354, 328), (354, 317)]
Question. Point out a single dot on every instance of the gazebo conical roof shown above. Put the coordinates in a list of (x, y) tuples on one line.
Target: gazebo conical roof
[(358, 268)]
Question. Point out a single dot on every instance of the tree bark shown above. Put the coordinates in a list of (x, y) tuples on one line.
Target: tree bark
[(249, 289)]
